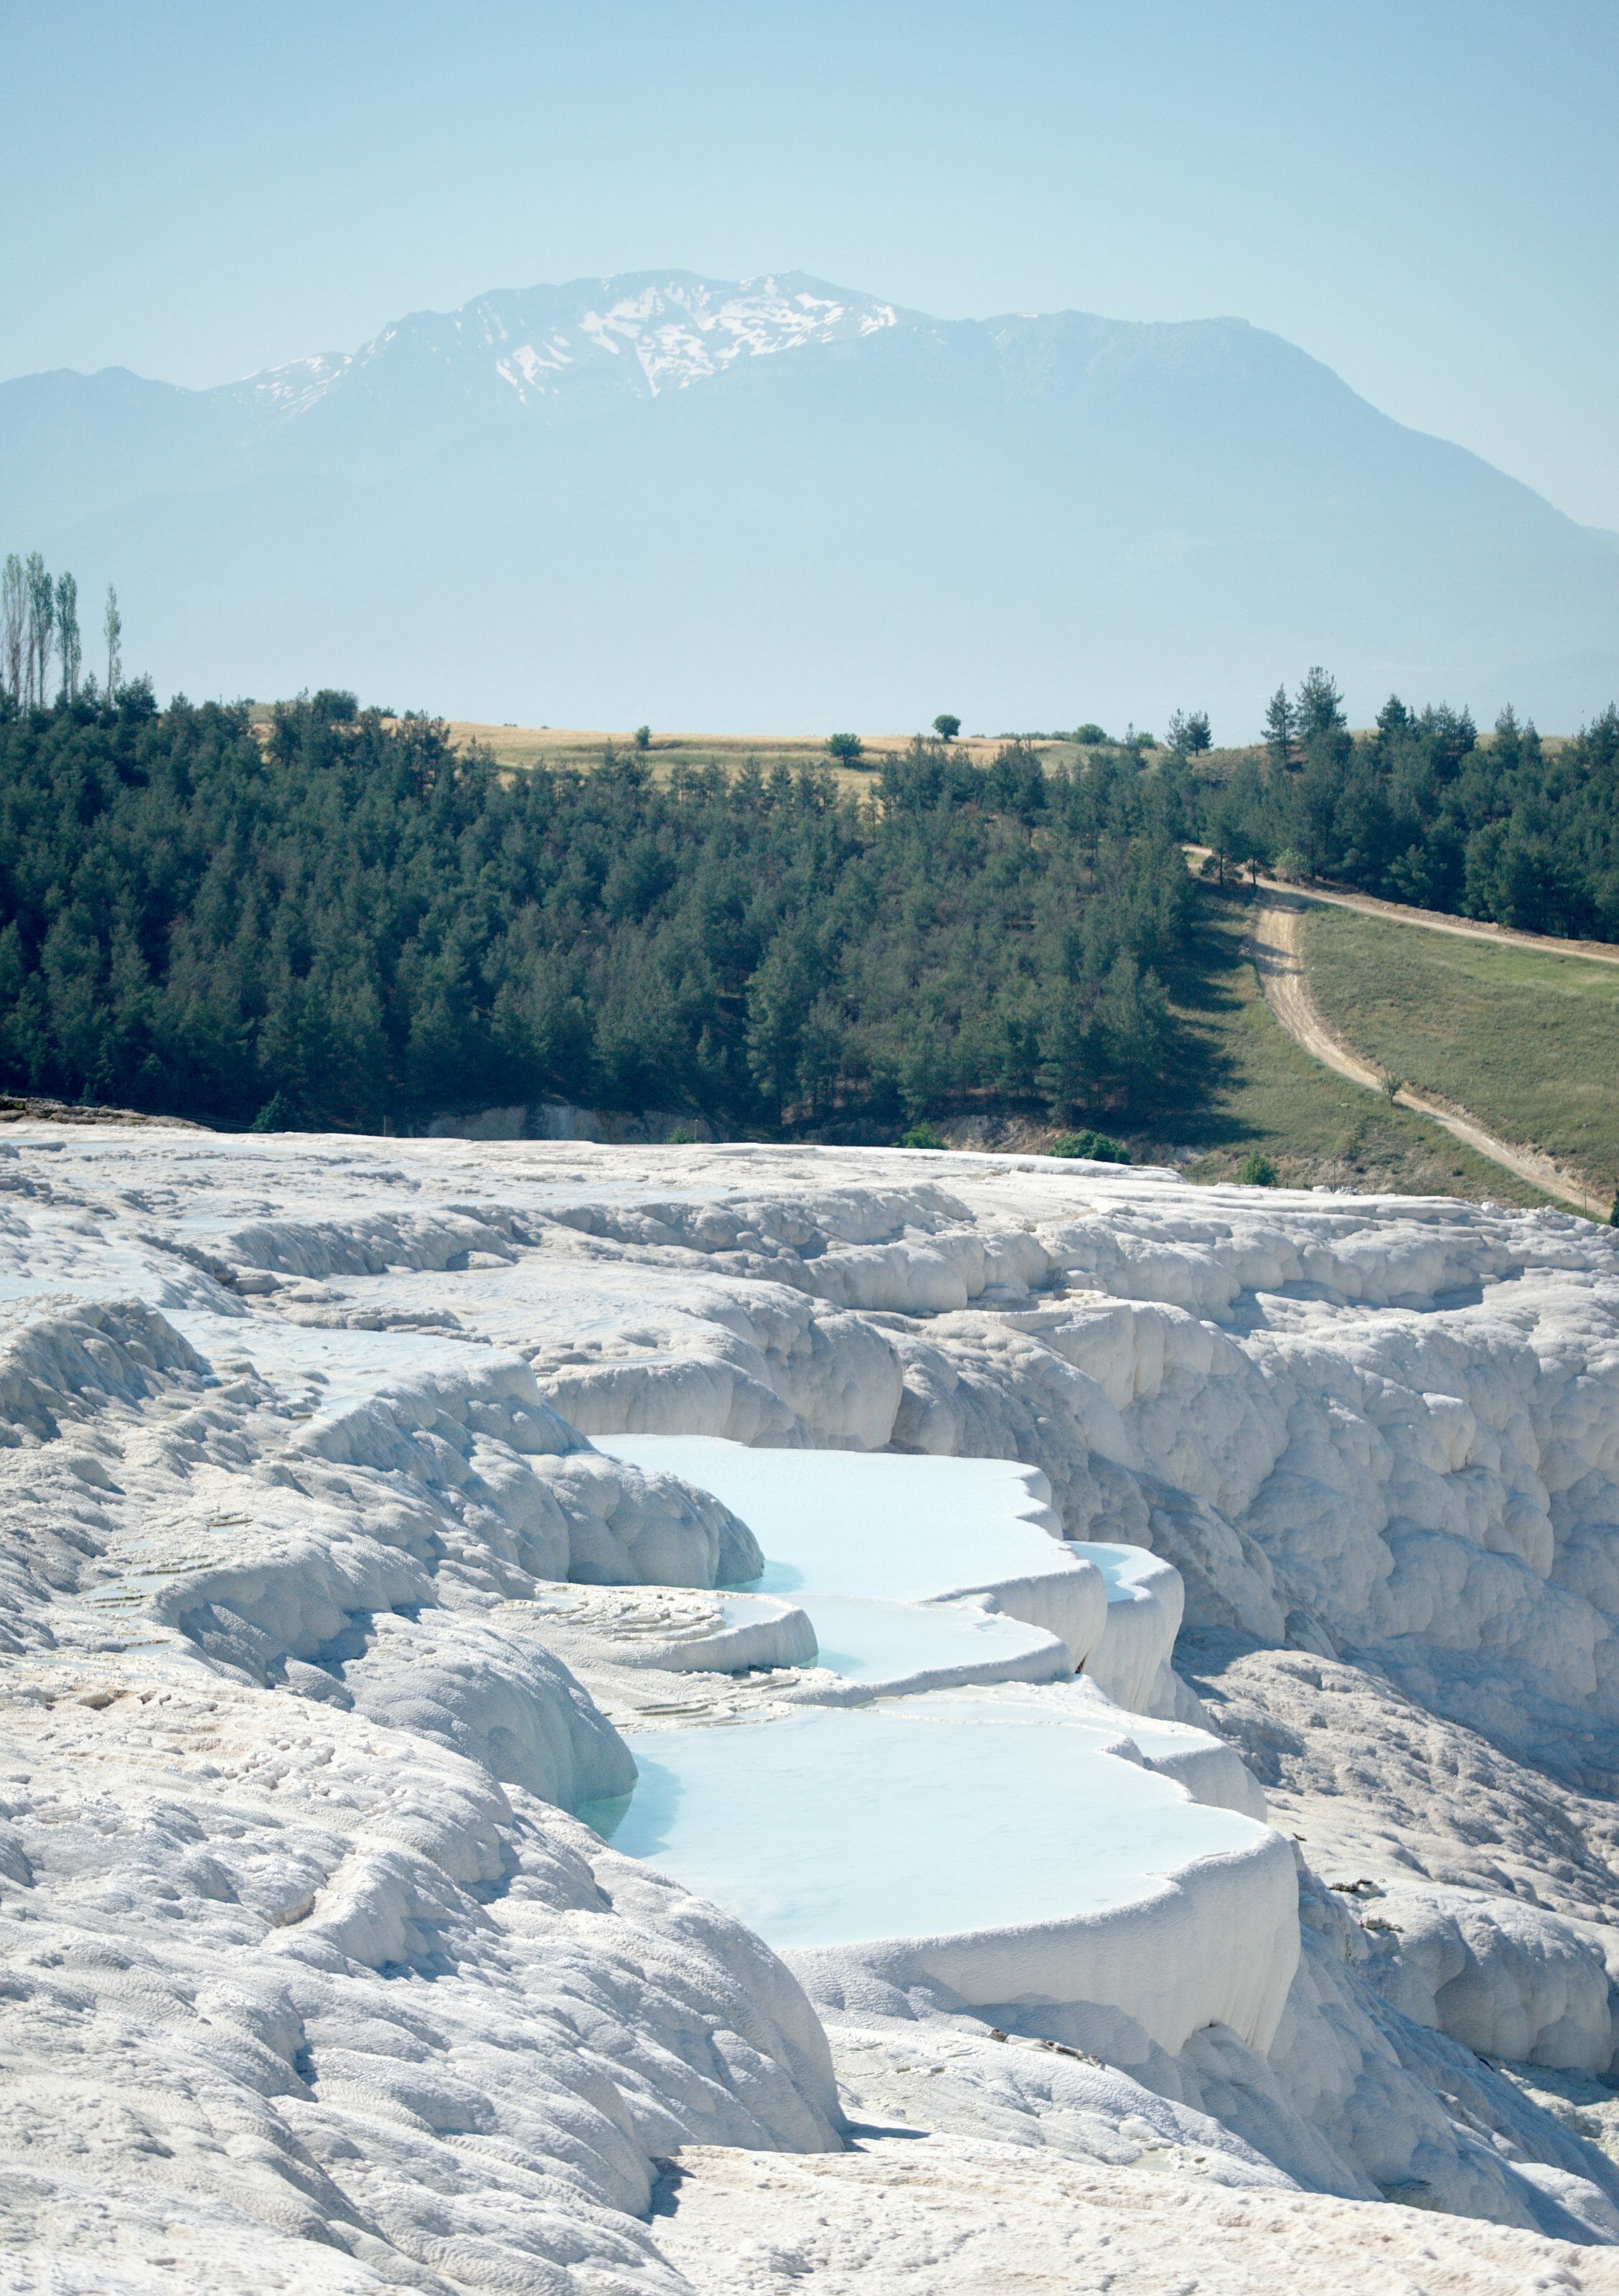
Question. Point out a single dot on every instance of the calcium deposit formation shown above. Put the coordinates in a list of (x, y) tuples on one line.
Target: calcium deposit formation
[(609, 1722)]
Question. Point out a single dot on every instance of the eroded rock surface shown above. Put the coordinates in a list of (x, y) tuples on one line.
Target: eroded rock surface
[(321, 1612)]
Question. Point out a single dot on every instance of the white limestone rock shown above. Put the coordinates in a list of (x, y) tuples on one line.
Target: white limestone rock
[(959, 2216), (316, 1981), (336, 1985)]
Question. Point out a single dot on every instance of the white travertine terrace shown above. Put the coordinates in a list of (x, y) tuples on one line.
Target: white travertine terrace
[(324, 1615), (1015, 1849)]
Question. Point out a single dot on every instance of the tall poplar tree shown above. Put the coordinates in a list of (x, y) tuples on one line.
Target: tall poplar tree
[(113, 630), (14, 620), (42, 621), (69, 645)]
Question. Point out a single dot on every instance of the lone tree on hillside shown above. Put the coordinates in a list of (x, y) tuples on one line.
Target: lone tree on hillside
[(847, 749), (946, 727), (1189, 733), (1320, 707)]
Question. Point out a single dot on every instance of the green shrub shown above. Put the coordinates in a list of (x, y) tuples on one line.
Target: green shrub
[(277, 1115), (922, 1136), (1095, 1145), (1256, 1170)]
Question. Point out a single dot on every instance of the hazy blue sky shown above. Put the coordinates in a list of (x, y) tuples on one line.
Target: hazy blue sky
[(1422, 194)]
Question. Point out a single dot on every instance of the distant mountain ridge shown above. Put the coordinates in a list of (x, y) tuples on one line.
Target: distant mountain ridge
[(780, 504), (594, 340)]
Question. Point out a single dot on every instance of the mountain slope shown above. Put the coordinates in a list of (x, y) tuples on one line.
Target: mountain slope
[(559, 353), (540, 355), (782, 504)]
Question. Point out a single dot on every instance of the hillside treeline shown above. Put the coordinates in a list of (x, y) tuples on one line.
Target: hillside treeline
[(1421, 810), (343, 919)]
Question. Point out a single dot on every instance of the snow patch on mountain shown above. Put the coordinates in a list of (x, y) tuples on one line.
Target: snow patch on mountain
[(293, 388), (661, 332)]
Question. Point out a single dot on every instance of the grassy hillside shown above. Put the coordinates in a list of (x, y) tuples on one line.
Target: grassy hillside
[(1525, 1041), (1252, 1087), (1245, 1085)]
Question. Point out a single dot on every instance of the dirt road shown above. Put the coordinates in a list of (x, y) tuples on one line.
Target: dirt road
[(1277, 947), (1599, 952)]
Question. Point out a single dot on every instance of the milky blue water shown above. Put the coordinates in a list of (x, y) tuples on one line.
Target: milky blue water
[(866, 1522), (911, 1817), (893, 1820), (862, 1539)]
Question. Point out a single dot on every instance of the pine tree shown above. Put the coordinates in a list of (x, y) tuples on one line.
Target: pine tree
[(1280, 725), (1320, 708), (779, 997)]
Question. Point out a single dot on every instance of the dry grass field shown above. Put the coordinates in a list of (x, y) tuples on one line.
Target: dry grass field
[(521, 746), (583, 747)]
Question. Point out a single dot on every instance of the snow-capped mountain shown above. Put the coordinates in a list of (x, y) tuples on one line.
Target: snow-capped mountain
[(560, 352), (292, 390), (779, 503)]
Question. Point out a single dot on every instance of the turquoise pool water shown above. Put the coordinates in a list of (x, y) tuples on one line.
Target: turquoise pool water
[(907, 1819), (863, 1540), (866, 1522)]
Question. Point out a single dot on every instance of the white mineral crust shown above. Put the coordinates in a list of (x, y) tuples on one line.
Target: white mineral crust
[(323, 1616)]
